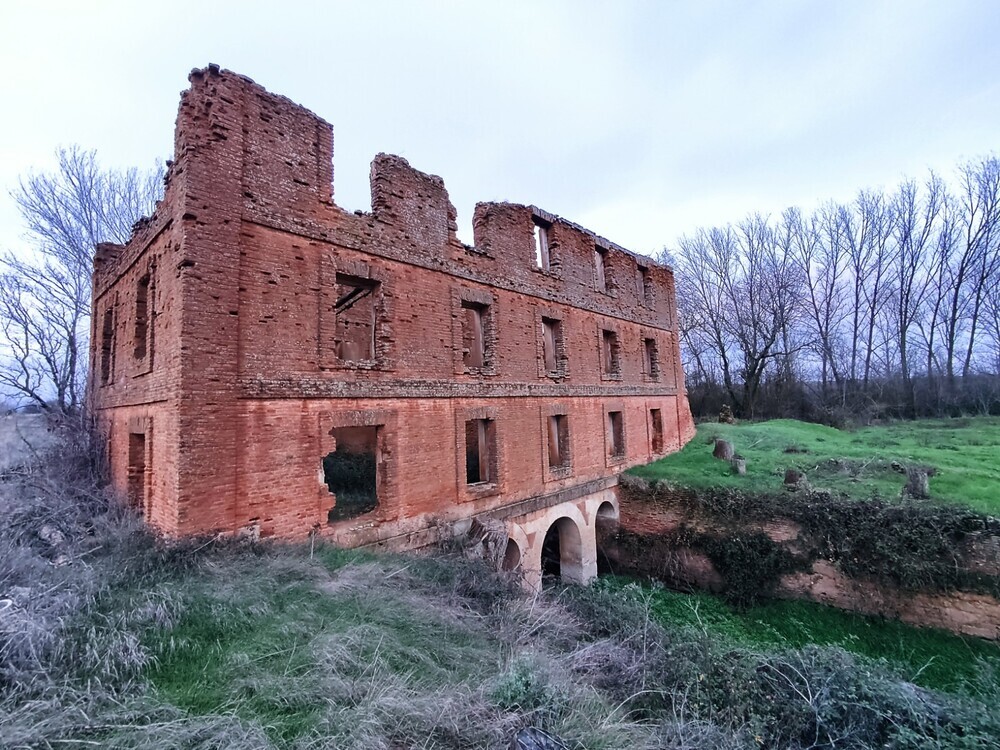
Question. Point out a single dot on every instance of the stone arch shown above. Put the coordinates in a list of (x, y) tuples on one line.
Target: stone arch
[(607, 512), (564, 541), (605, 527), (512, 556), (529, 532)]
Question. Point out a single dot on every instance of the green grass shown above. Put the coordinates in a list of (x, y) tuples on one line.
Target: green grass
[(346, 646), (926, 656), (857, 463), (283, 649), (222, 643)]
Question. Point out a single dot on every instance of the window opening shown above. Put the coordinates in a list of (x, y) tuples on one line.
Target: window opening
[(542, 260), (107, 346), (141, 317), (616, 434), (480, 450), (656, 425), (551, 344), (137, 471), (558, 440), (609, 352), (644, 286), (474, 334), (601, 268), (351, 472), (355, 310), (649, 358)]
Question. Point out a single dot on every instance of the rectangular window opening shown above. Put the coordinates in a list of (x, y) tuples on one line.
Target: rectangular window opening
[(609, 353), (644, 286), (650, 359), (107, 346), (474, 334), (356, 311), (480, 451), (351, 471), (558, 441), (656, 429), (601, 268), (137, 471), (542, 260), (616, 434), (141, 337), (551, 344)]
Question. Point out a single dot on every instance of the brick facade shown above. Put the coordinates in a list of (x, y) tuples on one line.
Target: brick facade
[(251, 327)]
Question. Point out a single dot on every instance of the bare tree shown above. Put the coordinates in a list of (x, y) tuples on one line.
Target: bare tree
[(746, 289), (981, 192), (992, 319), (915, 219), (45, 295), (820, 246)]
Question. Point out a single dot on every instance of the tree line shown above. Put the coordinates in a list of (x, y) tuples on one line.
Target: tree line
[(884, 306)]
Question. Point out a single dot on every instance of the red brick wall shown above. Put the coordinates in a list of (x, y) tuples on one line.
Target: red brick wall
[(247, 383)]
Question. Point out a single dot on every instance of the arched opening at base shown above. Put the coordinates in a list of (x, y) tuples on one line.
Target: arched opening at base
[(606, 526), (511, 556), (551, 555), (562, 553)]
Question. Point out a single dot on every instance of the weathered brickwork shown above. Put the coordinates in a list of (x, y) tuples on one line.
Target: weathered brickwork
[(251, 328)]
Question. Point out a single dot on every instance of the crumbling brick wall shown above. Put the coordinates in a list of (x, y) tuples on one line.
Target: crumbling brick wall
[(279, 319)]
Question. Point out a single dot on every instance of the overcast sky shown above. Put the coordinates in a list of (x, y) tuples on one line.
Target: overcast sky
[(639, 120)]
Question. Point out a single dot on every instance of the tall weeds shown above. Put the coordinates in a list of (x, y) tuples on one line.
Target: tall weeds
[(110, 637)]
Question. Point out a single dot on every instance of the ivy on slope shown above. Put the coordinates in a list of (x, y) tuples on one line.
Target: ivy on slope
[(911, 546)]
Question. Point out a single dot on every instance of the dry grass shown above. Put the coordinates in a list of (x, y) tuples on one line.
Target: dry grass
[(23, 437), (212, 644)]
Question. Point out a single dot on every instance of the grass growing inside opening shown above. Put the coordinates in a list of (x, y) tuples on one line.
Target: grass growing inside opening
[(857, 463)]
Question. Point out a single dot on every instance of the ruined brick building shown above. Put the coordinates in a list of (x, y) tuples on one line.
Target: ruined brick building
[(262, 359)]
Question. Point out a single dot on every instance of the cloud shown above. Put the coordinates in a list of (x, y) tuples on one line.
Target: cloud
[(641, 120)]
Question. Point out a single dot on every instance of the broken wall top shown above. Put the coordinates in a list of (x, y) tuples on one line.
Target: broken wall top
[(280, 157)]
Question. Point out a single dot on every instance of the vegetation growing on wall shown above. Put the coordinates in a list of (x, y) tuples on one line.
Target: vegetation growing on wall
[(911, 547)]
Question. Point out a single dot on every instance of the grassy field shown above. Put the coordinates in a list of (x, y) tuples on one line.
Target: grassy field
[(964, 452), (214, 644), (217, 643)]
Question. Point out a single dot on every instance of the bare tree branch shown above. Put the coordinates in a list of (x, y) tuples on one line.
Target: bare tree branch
[(45, 295)]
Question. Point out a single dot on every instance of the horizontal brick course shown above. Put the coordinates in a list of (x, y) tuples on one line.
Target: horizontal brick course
[(252, 365)]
